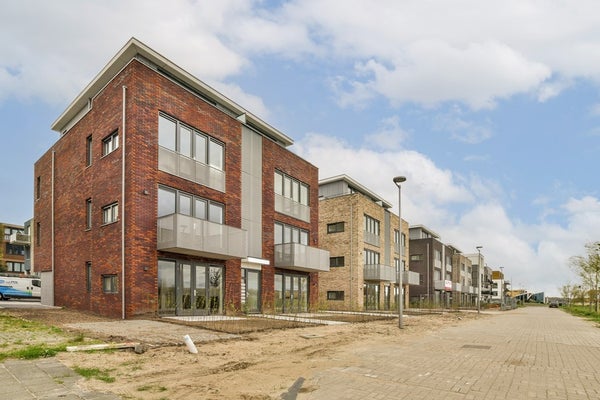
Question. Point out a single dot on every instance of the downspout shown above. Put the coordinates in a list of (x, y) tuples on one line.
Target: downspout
[(52, 262), (351, 253), (428, 293), (123, 209)]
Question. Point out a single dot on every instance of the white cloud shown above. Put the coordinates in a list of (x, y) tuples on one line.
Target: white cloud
[(389, 136), (405, 52)]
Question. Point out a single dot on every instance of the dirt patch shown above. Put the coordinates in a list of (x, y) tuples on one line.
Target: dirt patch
[(257, 365)]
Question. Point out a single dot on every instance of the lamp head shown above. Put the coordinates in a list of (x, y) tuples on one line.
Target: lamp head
[(479, 248), (399, 179)]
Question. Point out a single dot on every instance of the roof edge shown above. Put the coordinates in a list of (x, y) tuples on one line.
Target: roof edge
[(129, 51)]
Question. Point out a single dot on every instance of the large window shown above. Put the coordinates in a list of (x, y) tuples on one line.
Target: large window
[(110, 213), (371, 257), (371, 225), (177, 137), (110, 143), (171, 201), (290, 234), (291, 188)]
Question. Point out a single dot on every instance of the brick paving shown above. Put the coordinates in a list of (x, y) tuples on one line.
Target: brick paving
[(528, 353)]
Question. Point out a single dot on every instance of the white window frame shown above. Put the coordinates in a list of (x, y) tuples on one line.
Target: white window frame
[(110, 213), (110, 143)]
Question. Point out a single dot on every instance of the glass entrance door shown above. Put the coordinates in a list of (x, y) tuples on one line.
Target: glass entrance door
[(198, 288), (293, 292)]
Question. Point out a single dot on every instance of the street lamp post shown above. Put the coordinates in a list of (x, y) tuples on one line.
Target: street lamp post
[(502, 282), (479, 279), (398, 181)]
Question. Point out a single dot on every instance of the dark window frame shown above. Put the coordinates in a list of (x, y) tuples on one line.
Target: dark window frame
[(335, 227), (335, 295), (336, 261)]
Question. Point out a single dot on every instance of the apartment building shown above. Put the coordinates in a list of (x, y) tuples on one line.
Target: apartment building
[(429, 259), (14, 250), (162, 196), (481, 277), (366, 246), (463, 292)]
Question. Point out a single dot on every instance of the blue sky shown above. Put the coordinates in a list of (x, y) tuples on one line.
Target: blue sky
[(490, 109)]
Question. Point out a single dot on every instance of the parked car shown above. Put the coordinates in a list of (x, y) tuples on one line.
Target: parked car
[(553, 304)]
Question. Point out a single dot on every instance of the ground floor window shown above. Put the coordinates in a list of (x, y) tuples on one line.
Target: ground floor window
[(335, 295), (291, 293), (386, 297), (189, 288), (109, 283), (371, 296), (250, 290)]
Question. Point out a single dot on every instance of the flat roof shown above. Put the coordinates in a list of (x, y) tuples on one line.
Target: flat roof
[(356, 186), (131, 50)]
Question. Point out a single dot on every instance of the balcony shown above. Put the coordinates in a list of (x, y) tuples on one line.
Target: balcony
[(190, 169), (292, 208), (20, 238), (300, 257), (183, 234), (442, 284), (371, 238), (411, 278), (456, 287), (378, 272)]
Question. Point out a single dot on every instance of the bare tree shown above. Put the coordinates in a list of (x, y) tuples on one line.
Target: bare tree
[(588, 268), (567, 292)]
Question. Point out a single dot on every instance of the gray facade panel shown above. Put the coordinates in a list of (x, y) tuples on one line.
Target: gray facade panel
[(252, 190)]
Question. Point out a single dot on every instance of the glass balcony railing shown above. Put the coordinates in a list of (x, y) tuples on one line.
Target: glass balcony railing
[(378, 272), (300, 257), (19, 238), (183, 234), (292, 208), (190, 169)]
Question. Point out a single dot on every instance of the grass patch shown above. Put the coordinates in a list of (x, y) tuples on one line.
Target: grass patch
[(583, 311), (31, 340), (95, 373)]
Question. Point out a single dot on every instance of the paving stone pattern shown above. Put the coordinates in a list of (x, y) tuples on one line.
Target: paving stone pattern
[(528, 353)]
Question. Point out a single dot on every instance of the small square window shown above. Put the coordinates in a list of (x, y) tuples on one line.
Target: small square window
[(110, 143), (109, 284), (110, 213)]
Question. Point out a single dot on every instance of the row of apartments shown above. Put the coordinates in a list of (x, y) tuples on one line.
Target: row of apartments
[(162, 196)]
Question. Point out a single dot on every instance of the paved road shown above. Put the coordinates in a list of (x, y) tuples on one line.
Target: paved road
[(529, 353)]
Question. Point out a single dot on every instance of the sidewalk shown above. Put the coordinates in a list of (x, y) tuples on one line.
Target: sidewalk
[(43, 379), (529, 353)]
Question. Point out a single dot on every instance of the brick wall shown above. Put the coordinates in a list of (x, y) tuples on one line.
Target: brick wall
[(277, 157)]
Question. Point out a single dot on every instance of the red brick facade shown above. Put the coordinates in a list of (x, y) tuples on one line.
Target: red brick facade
[(146, 93)]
